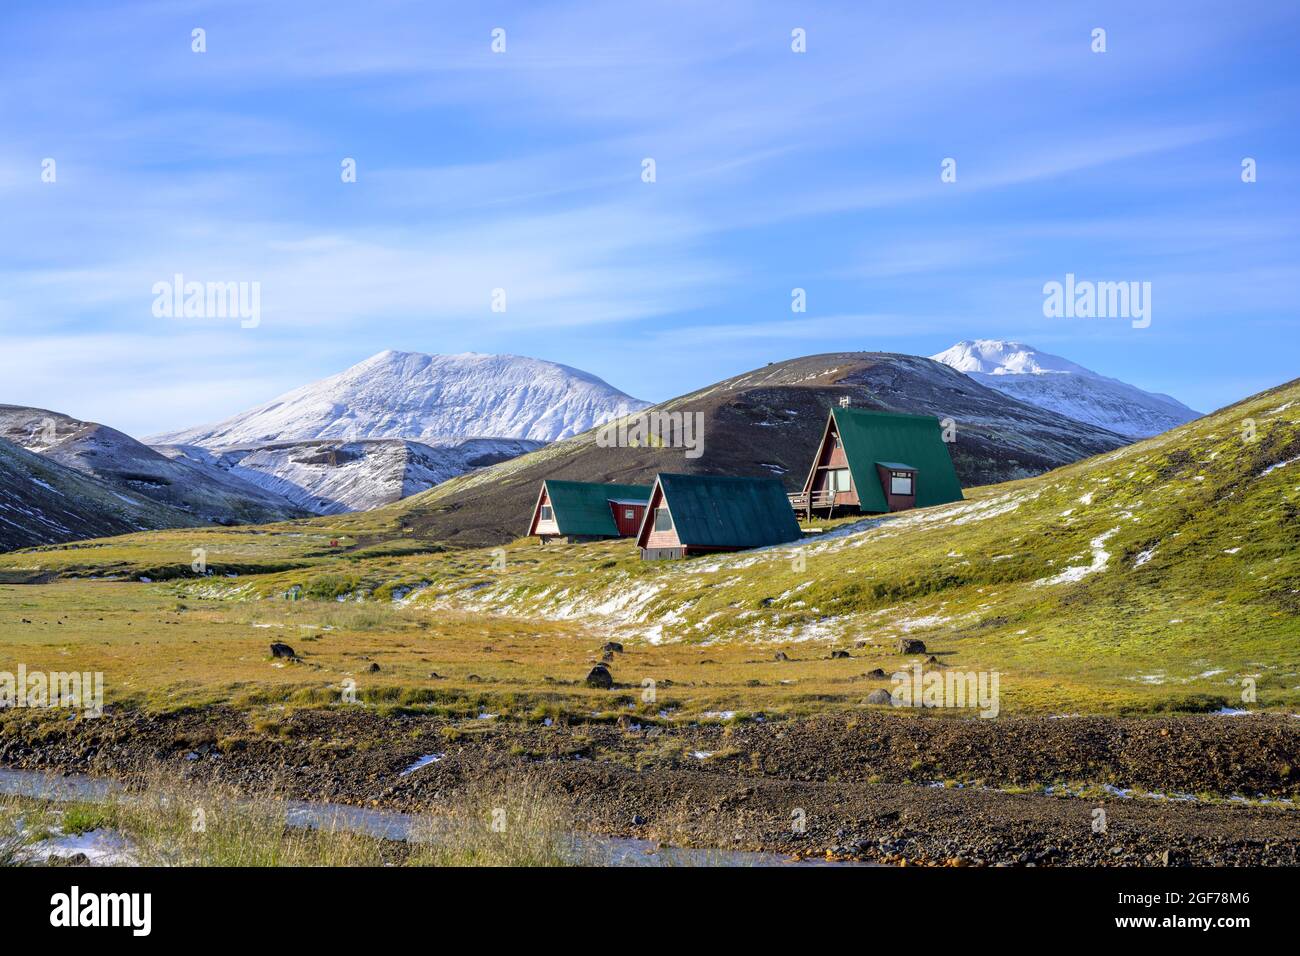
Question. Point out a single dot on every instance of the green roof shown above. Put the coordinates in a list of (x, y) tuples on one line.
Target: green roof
[(722, 512), (870, 437), (896, 466), (582, 507)]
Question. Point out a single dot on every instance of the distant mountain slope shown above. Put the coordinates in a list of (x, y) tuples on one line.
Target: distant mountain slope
[(768, 422), (433, 398), (1060, 385), (137, 471), (330, 477), (43, 502)]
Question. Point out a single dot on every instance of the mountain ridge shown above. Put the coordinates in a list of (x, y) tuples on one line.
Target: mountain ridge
[(1065, 387), (431, 398)]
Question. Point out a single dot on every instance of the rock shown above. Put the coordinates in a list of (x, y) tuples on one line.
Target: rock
[(910, 645), (607, 657), (859, 644), (934, 660), (373, 668), (877, 674), (282, 650), (839, 655), (782, 656), (600, 677), (434, 675), (880, 696), (638, 820), (613, 647)]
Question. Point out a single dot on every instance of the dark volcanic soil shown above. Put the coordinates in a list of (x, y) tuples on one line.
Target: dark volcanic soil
[(865, 786)]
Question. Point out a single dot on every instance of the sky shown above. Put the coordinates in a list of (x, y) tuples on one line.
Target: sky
[(524, 170)]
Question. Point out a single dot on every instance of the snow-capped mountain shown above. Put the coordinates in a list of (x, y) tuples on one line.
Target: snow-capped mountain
[(1061, 386), (436, 399), (331, 477)]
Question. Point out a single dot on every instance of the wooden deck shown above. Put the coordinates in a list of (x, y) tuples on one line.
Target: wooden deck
[(803, 503)]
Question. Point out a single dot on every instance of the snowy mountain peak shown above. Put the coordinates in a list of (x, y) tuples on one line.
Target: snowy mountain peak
[(1059, 385), (999, 357), (433, 398)]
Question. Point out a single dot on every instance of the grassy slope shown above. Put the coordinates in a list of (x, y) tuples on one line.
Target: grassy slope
[(1195, 544)]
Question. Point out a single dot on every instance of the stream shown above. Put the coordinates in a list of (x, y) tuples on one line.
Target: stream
[(396, 825)]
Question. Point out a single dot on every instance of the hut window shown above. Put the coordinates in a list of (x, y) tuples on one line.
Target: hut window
[(836, 436), (546, 513), (663, 520), (900, 483), (839, 480), (628, 514)]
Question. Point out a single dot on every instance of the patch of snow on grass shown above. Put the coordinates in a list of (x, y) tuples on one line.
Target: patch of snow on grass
[(1280, 464), (1100, 558)]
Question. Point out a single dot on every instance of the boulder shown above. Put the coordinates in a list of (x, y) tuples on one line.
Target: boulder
[(613, 647), (282, 650), (600, 677), (910, 645), (877, 674), (840, 655), (782, 656), (880, 696), (373, 668)]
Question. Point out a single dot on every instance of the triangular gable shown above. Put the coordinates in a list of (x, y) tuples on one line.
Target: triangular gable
[(869, 437)]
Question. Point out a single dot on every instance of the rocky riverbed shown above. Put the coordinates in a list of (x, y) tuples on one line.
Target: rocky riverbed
[(1203, 790)]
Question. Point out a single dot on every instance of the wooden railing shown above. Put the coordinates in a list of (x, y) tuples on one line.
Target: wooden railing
[(820, 499)]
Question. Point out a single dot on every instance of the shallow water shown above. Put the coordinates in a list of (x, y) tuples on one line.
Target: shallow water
[(395, 825)]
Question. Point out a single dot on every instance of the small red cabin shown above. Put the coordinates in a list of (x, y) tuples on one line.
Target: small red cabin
[(587, 511)]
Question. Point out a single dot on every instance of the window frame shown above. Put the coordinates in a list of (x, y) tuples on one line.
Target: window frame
[(547, 513), (663, 519), (907, 476)]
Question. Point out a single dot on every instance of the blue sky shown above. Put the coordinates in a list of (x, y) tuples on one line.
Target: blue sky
[(522, 171)]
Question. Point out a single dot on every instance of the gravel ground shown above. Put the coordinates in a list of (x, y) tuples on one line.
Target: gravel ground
[(865, 786)]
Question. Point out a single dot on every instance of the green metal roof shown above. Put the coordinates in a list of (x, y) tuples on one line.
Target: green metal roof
[(869, 437), (582, 507), (896, 466), (723, 512)]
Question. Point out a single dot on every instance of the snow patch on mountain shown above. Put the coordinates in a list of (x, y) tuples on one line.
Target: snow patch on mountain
[(435, 399), (1059, 385), (332, 477)]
